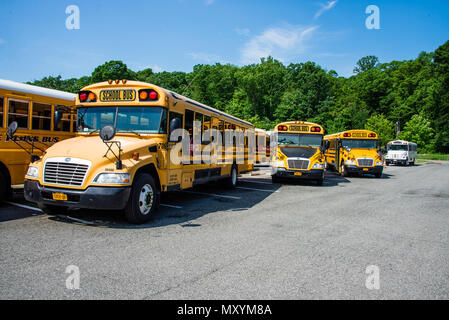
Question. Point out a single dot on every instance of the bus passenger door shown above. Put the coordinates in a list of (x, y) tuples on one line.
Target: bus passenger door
[(174, 165)]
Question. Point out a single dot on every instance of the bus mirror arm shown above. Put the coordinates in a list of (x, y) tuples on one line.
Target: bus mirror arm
[(107, 133), (12, 128)]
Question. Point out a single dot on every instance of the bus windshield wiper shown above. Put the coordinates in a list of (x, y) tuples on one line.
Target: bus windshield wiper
[(128, 131)]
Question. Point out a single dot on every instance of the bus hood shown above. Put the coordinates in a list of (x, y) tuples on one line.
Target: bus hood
[(92, 148)]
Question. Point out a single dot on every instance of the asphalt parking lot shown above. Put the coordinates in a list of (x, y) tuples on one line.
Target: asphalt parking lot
[(259, 241)]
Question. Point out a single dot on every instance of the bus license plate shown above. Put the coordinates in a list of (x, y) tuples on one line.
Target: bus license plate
[(60, 196), (298, 173), (365, 169), (117, 95)]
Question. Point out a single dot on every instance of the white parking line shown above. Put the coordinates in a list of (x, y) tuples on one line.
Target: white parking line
[(261, 182), (170, 206), (213, 195), (272, 191), (23, 206), (76, 219)]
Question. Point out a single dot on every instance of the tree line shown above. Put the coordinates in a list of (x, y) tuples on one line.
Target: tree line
[(410, 96)]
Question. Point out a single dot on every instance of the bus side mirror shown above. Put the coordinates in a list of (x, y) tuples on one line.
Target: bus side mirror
[(107, 133), (57, 118), (12, 128), (174, 125)]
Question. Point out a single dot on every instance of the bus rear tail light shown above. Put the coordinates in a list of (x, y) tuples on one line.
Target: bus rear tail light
[(372, 135), (148, 95)]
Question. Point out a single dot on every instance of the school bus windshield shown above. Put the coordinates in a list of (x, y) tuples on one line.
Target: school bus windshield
[(397, 147), (131, 119), (298, 139), (359, 143)]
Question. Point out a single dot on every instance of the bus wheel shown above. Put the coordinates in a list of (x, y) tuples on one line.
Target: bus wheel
[(143, 201), (378, 175), (52, 210), (319, 182), (343, 171), (231, 182), (275, 179), (3, 187)]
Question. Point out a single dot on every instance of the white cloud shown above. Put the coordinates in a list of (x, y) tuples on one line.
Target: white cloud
[(280, 43), (204, 57), (242, 31), (325, 7), (209, 2)]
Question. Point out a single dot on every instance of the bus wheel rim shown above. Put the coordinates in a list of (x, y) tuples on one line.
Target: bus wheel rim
[(146, 198), (234, 176)]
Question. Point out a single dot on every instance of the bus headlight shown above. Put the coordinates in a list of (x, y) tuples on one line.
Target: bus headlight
[(318, 166), (379, 163), (113, 178), (278, 164), (350, 162), (33, 172)]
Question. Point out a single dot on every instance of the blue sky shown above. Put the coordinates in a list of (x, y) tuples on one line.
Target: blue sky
[(174, 35)]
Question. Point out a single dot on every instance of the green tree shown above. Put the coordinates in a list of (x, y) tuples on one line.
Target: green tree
[(366, 63), (112, 70), (382, 126), (419, 130)]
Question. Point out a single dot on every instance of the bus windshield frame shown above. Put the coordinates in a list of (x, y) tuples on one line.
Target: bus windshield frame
[(299, 139), (359, 143), (135, 119)]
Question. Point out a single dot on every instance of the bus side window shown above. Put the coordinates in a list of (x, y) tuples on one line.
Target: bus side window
[(199, 118), (41, 117), (18, 111), (174, 115), (64, 124), (207, 123), (1, 112), (188, 125)]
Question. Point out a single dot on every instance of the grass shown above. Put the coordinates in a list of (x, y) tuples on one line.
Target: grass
[(433, 156)]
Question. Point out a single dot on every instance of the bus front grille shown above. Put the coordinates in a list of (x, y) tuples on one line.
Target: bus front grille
[(365, 162), (70, 174), (298, 164)]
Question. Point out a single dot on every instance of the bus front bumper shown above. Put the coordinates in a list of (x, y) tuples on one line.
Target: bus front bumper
[(313, 174), (105, 198), (396, 161), (369, 170)]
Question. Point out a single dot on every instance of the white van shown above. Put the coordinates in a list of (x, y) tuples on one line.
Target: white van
[(401, 152)]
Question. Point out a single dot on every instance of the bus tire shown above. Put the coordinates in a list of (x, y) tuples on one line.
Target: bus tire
[(275, 179), (343, 171), (143, 201), (319, 182), (231, 182), (378, 175), (52, 210), (3, 187)]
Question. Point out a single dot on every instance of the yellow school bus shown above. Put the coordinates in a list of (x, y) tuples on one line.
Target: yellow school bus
[(127, 151), (354, 151), (262, 145), (32, 109), (297, 151)]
